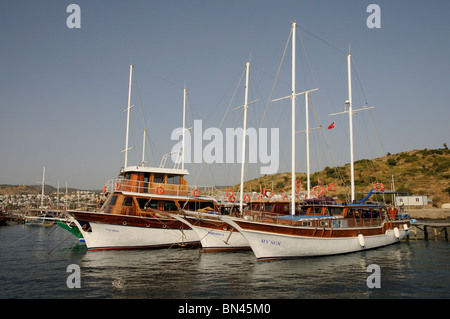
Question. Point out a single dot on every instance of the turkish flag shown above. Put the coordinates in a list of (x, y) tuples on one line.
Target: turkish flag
[(331, 126)]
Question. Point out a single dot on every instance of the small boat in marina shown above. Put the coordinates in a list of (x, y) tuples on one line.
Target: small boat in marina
[(39, 218)]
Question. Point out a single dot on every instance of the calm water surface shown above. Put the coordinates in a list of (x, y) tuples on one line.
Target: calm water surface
[(34, 261)]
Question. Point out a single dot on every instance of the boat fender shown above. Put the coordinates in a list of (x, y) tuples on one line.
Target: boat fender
[(405, 227), (361, 240), (396, 233)]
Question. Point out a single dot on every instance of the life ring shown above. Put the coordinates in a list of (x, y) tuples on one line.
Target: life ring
[(259, 198), (321, 190), (268, 190), (378, 187), (298, 182), (262, 190), (285, 197), (246, 198), (320, 181), (118, 186), (228, 192), (231, 198), (195, 192), (297, 197), (297, 189), (104, 189), (331, 187), (159, 190)]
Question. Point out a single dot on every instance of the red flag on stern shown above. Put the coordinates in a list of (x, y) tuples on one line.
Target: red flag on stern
[(331, 126)]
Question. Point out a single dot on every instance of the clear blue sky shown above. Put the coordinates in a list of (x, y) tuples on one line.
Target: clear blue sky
[(63, 91)]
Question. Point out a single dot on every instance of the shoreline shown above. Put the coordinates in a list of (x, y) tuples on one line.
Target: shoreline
[(429, 213)]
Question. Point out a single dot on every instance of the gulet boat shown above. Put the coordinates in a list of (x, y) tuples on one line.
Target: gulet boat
[(334, 229), (136, 214)]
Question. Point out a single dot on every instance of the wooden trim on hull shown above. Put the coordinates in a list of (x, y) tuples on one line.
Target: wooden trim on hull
[(318, 232), (124, 220), (224, 249)]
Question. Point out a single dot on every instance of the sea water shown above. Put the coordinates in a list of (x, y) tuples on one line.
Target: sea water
[(34, 263)]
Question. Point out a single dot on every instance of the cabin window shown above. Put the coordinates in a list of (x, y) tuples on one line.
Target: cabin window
[(333, 211), (268, 207), (256, 207), (145, 203), (110, 204), (170, 205), (286, 209), (127, 176), (195, 205), (113, 200), (206, 204), (316, 211), (303, 210), (158, 178), (127, 201), (173, 179)]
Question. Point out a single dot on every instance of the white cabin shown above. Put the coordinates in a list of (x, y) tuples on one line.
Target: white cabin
[(414, 200)]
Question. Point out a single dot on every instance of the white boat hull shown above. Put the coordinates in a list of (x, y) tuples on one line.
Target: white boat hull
[(268, 245), (219, 236), (104, 236), (221, 240), (115, 236)]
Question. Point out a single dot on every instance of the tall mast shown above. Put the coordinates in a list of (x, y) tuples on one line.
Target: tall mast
[(292, 97), (308, 173), (128, 117), (351, 112), (184, 128), (244, 132), (294, 25), (350, 120), (143, 148)]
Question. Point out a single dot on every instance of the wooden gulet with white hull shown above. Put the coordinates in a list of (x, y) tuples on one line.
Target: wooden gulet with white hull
[(136, 212), (350, 228)]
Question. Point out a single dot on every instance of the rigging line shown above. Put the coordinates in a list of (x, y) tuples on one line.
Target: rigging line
[(162, 78), (324, 41), (223, 118), (148, 139), (370, 113), (328, 147), (271, 92), (276, 79)]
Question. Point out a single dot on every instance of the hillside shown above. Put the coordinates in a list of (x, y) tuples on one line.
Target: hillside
[(6, 189), (417, 172)]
